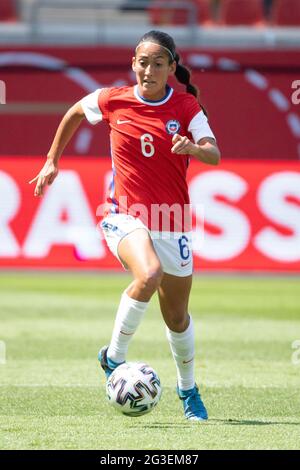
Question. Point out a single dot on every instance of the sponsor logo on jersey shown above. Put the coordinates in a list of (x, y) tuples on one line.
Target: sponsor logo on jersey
[(123, 121), (173, 127)]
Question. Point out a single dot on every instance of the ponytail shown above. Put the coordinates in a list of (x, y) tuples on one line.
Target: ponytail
[(183, 75)]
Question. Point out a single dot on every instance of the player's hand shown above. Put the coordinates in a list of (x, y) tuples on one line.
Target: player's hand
[(45, 177), (181, 145)]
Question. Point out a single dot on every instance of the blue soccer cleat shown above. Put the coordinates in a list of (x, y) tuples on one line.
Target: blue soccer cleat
[(107, 364), (193, 406)]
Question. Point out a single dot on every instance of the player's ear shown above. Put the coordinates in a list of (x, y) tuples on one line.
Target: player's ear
[(172, 68), (133, 64)]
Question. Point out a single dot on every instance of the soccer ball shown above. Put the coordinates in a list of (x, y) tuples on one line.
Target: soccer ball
[(133, 388)]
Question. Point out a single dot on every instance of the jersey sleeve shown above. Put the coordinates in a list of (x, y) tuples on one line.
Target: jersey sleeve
[(196, 121), (199, 127), (95, 105)]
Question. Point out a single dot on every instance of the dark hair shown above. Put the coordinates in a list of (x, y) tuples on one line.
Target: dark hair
[(182, 73)]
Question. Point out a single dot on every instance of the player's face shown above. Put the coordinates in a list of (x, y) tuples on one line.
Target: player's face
[(152, 68)]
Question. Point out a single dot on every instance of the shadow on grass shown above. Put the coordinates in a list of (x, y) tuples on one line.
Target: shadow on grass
[(159, 426), (212, 422), (246, 422)]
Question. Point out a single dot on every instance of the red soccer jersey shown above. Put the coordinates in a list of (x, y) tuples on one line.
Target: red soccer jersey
[(149, 181)]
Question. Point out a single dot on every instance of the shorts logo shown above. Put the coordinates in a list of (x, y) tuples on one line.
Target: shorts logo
[(172, 127), (185, 264)]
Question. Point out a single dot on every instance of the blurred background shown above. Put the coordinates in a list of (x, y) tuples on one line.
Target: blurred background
[(245, 59)]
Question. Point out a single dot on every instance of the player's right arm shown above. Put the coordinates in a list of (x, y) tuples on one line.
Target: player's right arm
[(64, 133)]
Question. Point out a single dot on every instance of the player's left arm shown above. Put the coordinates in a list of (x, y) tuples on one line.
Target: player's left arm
[(206, 149)]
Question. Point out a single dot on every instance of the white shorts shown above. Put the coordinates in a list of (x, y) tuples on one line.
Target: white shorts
[(174, 250)]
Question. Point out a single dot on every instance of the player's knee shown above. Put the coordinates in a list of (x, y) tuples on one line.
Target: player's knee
[(177, 323), (151, 278)]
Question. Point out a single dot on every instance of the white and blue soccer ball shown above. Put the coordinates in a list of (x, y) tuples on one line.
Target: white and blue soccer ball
[(133, 388)]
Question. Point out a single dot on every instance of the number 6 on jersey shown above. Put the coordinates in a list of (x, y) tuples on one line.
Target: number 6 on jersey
[(147, 147)]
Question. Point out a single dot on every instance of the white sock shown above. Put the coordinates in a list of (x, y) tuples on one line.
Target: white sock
[(128, 318), (183, 350)]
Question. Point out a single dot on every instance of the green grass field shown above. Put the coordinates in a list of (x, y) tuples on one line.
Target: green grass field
[(52, 393)]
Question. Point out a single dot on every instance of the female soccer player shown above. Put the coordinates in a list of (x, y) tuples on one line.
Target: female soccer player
[(154, 130)]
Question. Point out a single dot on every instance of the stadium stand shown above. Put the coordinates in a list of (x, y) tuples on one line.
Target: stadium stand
[(267, 5), (122, 21), (241, 12), (286, 13), (200, 10), (8, 10)]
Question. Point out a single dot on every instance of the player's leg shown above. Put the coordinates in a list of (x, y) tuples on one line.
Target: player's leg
[(174, 292), (136, 252)]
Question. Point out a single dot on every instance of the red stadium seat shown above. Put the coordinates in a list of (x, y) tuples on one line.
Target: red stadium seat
[(8, 10), (286, 13), (241, 12), (164, 16)]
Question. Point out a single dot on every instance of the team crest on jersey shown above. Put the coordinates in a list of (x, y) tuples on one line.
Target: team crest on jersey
[(173, 126)]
